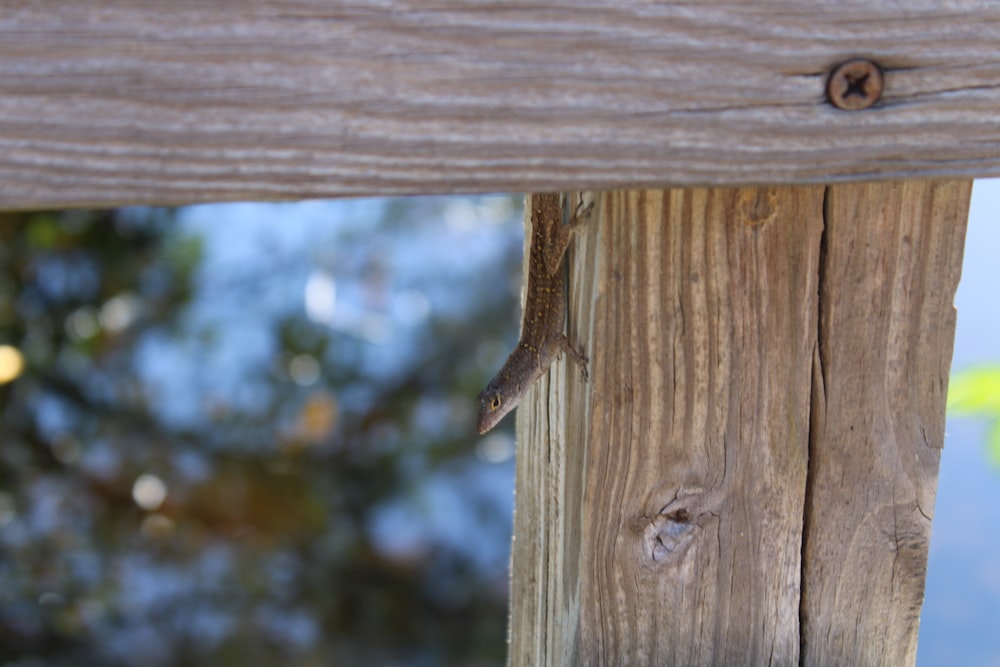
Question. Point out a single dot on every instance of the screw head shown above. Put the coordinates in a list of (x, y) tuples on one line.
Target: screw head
[(856, 84)]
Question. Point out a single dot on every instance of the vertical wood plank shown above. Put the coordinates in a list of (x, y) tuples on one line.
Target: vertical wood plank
[(544, 584), (891, 264), (749, 476), (682, 543)]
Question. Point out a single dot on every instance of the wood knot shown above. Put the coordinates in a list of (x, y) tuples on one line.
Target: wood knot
[(667, 536), (663, 538), (756, 206)]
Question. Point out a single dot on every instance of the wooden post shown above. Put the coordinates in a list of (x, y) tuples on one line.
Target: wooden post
[(749, 476)]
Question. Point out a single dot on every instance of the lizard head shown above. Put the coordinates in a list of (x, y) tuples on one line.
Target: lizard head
[(494, 404)]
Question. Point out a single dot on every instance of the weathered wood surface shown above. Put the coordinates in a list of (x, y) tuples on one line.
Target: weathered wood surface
[(891, 264), (750, 474), (107, 102)]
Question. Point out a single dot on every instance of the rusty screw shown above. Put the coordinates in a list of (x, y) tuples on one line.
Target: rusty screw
[(856, 84)]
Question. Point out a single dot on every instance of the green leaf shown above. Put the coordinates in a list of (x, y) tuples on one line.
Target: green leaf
[(975, 391)]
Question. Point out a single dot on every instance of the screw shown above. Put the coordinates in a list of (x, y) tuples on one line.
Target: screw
[(856, 84)]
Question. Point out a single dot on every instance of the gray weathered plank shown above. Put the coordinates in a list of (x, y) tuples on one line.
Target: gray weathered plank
[(107, 102)]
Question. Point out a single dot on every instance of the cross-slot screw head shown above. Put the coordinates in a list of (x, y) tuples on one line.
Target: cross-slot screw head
[(856, 84)]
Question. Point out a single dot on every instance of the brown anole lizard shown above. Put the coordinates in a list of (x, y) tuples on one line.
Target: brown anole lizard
[(542, 337)]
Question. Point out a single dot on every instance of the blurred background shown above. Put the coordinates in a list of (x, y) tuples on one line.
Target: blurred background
[(243, 434)]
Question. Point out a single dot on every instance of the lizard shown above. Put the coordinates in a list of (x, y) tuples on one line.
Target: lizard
[(542, 337)]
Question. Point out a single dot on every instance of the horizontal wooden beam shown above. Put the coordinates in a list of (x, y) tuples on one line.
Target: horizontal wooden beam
[(107, 102)]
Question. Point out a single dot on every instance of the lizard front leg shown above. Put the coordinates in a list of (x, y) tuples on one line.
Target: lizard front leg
[(576, 355)]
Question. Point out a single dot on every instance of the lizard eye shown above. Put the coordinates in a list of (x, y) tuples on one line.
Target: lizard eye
[(494, 403)]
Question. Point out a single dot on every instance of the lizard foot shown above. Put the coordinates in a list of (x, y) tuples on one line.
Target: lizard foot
[(577, 356)]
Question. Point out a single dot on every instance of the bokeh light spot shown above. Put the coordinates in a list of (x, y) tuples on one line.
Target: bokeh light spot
[(495, 448), (320, 297), (119, 312), (317, 417), (82, 324), (11, 363), (304, 369), (149, 492)]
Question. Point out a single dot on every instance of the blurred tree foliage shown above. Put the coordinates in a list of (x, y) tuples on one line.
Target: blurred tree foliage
[(245, 531)]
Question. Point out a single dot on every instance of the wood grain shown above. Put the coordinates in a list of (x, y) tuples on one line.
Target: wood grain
[(108, 102), (892, 260), (683, 539), (700, 497)]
